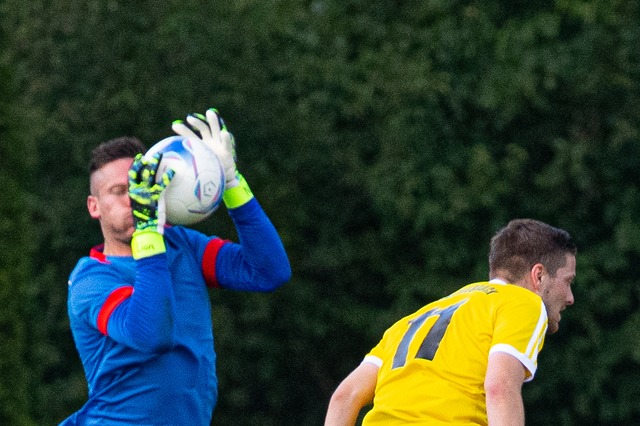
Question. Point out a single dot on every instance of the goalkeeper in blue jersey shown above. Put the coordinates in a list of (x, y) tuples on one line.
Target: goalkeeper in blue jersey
[(139, 306)]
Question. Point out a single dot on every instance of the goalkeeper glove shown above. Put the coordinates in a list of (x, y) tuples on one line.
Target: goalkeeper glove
[(147, 205), (212, 131)]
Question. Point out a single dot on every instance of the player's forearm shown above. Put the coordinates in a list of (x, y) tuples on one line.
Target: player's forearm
[(505, 409), (341, 412)]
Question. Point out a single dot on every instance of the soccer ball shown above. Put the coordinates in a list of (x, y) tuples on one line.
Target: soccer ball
[(195, 191)]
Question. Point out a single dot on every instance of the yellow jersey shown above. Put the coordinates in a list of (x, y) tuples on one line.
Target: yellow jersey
[(433, 362)]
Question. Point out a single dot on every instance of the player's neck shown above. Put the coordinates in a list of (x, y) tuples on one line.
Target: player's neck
[(116, 248)]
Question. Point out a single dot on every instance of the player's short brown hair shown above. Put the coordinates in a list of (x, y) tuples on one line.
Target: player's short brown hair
[(115, 149), (522, 243)]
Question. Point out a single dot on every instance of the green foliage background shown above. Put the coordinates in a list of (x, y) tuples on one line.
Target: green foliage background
[(387, 141)]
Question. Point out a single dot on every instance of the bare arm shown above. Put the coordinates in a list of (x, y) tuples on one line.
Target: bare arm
[(355, 392), (503, 388)]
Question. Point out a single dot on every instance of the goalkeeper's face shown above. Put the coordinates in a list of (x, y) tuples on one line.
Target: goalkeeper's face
[(109, 203)]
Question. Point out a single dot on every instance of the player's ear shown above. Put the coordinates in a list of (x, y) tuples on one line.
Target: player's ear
[(535, 277), (93, 207)]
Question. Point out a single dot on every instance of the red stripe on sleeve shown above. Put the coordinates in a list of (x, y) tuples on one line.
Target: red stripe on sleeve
[(209, 262), (116, 297)]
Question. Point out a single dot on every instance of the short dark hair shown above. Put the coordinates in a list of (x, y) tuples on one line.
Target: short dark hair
[(522, 243), (115, 149)]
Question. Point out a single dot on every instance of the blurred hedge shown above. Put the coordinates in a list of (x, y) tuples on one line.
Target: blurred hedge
[(387, 141)]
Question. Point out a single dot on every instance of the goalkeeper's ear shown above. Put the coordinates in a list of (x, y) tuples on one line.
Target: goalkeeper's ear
[(93, 207)]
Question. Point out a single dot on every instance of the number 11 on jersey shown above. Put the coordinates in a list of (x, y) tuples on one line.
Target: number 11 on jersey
[(432, 340)]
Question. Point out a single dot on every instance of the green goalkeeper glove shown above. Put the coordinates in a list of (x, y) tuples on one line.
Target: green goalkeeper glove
[(212, 131), (147, 205)]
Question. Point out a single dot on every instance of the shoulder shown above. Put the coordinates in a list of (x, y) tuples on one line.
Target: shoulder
[(522, 295), (500, 291), (88, 266), (94, 276), (495, 298), (519, 307), (92, 280)]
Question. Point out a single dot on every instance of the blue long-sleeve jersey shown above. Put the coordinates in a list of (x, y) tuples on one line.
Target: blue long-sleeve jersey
[(143, 328)]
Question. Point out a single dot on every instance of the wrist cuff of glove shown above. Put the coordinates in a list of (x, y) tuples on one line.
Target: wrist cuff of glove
[(147, 243), (238, 195)]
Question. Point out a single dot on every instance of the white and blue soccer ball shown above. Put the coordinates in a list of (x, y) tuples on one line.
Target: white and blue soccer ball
[(195, 191)]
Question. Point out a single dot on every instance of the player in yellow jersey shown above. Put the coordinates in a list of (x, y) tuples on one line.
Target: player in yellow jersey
[(463, 359)]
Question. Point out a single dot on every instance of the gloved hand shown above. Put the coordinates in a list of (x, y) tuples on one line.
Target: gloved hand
[(147, 206), (213, 132)]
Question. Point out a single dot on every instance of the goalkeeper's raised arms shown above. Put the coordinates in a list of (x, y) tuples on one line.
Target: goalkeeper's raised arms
[(212, 131)]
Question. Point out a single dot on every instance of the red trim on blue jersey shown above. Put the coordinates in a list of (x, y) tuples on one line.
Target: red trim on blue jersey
[(209, 262), (116, 297), (97, 254)]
